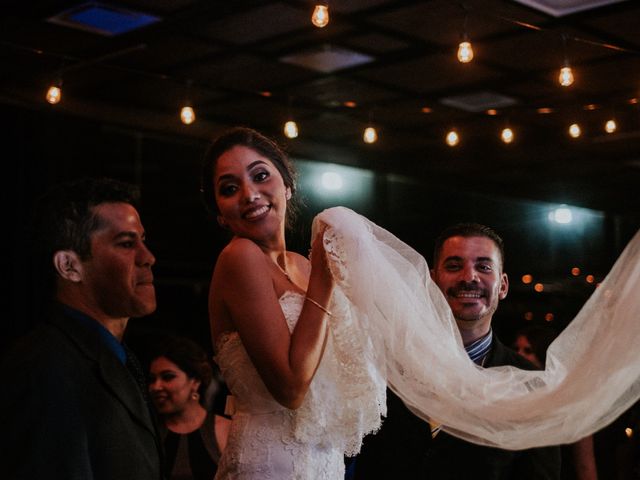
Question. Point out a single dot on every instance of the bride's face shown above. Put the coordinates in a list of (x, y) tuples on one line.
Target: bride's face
[(469, 273), (250, 194)]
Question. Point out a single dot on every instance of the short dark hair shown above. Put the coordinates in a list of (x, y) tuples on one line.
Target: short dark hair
[(467, 230), (190, 358), (65, 218), (247, 137)]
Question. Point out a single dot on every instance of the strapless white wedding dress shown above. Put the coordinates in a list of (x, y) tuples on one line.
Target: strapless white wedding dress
[(269, 441)]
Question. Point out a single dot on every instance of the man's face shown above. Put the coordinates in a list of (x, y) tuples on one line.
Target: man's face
[(117, 279), (469, 273)]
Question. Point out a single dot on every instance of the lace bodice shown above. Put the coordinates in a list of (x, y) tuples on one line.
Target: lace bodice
[(250, 395)]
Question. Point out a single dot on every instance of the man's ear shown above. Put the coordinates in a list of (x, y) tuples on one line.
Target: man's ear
[(221, 221), (504, 286), (68, 265)]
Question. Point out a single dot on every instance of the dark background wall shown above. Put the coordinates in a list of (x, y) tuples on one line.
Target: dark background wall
[(43, 147)]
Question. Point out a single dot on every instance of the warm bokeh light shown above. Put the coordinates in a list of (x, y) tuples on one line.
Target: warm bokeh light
[(590, 278), (465, 52), (628, 432), (507, 135), (566, 76), (575, 271), (370, 135), (54, 94), (591, 106), (528, 316), (187, 115), (527, 279), (492, 112), (610, 126), (548, 317), (426, 109), (452, 138), (320, 17), (545, 110), (291, 129), (266, 93), (350, 104), (538, 287), (574, 130)]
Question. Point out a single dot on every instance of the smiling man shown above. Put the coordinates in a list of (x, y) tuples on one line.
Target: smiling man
[(74, 403), (468, 269)]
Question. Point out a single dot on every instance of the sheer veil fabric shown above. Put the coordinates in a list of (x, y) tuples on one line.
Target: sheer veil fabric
[(402, 331)]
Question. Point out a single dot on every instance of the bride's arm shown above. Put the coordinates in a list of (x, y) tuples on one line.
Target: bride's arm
[(286, 363)]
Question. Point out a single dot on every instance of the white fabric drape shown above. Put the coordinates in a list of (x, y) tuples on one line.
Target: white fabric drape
[(409, 337)]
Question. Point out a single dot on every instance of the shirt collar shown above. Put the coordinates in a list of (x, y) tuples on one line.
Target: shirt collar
[(106, 336), (479, 349)]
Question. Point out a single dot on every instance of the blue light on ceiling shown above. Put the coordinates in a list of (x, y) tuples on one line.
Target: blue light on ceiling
[(104, 19)]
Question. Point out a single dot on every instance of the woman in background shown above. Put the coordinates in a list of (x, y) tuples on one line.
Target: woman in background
[(194, 438), (579, 462)]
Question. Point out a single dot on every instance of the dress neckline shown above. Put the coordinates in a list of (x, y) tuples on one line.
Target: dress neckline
[(228, 334)]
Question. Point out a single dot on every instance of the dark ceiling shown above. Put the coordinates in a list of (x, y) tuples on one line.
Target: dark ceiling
[(239, 59)]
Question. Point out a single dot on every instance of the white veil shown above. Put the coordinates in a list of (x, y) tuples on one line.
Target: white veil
[(592, 373)]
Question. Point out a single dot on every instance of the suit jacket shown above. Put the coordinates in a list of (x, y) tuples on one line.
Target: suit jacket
[(71, 410), (404, 448)]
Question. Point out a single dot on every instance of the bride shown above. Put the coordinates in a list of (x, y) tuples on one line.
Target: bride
[(307, 349), (270, 317)]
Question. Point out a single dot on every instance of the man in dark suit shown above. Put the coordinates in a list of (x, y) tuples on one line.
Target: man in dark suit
[(74, 401), (468, 269)]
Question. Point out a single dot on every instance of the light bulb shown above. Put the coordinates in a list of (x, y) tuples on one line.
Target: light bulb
[(291, 129), (610, 126), (507, 135), (320, 17), (187, 115), (54, 94), (566, 76), (452, 138), (370, 135), (465, 52), (574, 130)]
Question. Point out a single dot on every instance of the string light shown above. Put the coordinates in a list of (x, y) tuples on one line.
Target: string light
[(566, 74), (574, 130), (507, 135), (370, 135), (465, 50), (187, 115), (291, 129), (452, 138), (610, 126), (54, 94), (320, 17)]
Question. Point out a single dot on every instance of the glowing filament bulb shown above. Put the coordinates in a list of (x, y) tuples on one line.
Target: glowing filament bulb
[(320, 17), (574, 130), (452, 138), (465, 52), (54, 94), (187, 115), (566, 76), (370, 135), (291, 129), (507, 135), (610, 126)]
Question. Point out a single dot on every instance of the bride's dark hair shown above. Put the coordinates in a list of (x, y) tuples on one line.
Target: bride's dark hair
[(247, 137)]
